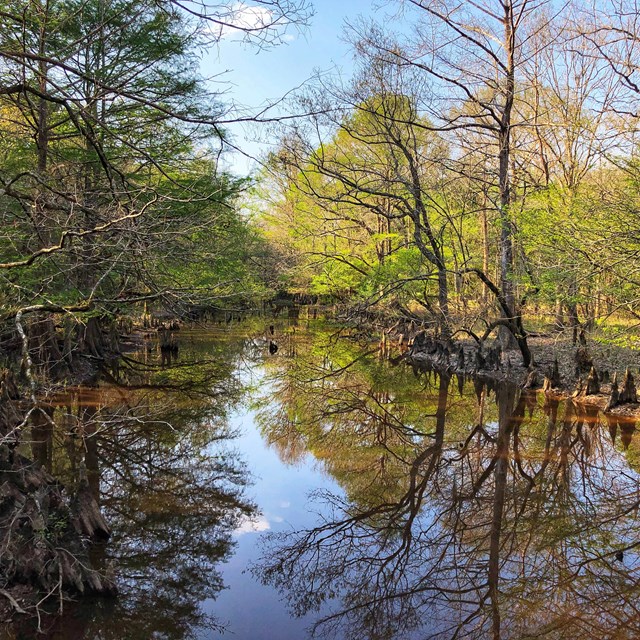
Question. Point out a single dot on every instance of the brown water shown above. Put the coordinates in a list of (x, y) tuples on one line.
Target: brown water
[(322, 490)]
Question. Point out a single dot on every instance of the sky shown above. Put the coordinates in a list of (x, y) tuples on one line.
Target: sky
[(256, 77)]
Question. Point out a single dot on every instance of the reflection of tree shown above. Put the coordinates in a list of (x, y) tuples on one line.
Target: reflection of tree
[(353, 413), (475, 529), (171, 492), (173, 506)]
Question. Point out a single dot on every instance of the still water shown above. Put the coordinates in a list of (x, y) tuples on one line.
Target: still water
[(321, 490)]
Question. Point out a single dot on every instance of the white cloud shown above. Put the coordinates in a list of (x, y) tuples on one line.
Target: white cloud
[(244, 17)]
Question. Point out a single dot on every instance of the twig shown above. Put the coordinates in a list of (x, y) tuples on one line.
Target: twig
[(12, 601)]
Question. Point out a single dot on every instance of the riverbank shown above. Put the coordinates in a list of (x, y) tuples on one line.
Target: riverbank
[(551, 352)]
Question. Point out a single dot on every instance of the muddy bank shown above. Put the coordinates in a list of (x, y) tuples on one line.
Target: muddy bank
[(592, 373)]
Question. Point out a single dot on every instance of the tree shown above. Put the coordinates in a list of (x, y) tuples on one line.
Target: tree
[(567, 105), (472, 55), (377, 185), (116, 151), (110, 145)]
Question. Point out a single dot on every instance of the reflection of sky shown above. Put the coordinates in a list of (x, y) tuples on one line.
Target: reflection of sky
[(252, 525), (599, 482), (248, 609)]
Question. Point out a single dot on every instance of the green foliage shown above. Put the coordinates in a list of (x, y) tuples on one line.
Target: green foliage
[(352, 207), (110, 159)]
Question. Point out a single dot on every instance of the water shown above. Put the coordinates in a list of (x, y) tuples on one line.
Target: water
[(322, 489)]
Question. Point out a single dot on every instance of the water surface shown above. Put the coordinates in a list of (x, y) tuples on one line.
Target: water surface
[(324, 490)]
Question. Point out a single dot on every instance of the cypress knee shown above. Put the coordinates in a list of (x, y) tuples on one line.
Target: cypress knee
[(593, 383), (628, 393), (614, 397)]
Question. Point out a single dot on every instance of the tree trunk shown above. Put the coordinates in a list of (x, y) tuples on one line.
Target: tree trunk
[(504, 179), (443, 303)]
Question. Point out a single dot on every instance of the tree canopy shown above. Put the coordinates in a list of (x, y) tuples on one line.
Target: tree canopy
[(478, 166)]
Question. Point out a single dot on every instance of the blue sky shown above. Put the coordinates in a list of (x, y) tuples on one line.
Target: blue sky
[(257, 77)]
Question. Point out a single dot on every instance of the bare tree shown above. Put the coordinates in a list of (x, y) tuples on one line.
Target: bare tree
[(568, 130), (473, 55), (369, 162)]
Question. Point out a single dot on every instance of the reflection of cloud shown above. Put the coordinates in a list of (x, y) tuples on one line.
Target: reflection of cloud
[(285, 504), (252, 525)]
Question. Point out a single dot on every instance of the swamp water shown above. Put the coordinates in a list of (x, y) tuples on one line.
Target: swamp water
[(257, 496)]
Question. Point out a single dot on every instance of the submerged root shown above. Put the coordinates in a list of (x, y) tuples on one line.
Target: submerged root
[(45, 534)]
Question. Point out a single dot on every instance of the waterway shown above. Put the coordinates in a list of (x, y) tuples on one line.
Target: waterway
[(322, 490)]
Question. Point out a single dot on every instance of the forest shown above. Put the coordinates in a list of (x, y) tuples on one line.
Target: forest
[(471, 190), (478, 173), (482, 170)]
